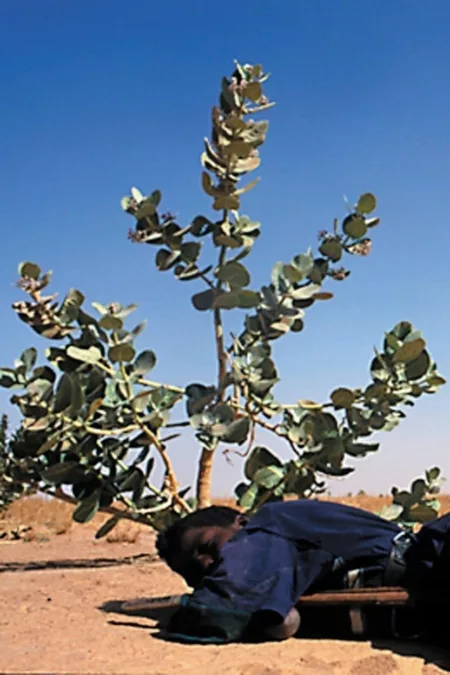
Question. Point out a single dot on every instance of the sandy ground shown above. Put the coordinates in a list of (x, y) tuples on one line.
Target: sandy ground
[(59, 616)]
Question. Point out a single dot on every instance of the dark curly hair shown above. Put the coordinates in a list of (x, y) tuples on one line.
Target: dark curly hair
[(168, 542)]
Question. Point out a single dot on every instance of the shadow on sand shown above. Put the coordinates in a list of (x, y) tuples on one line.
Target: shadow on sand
[(436, 654), (75, 564)]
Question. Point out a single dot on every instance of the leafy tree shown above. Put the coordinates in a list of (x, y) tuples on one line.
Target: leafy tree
[(93, 423)]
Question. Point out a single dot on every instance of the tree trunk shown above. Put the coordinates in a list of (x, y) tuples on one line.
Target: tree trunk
[(204, 479)]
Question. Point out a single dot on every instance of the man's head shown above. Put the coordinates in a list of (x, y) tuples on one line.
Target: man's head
[(191, 546)]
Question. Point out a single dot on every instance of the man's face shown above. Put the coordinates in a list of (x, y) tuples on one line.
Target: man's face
[(200, 550)]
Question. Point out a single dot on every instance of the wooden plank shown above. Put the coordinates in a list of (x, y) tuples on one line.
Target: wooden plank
[(392, 596), (359, 596)]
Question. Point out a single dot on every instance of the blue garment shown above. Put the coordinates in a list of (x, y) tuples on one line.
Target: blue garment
[(286, 550)]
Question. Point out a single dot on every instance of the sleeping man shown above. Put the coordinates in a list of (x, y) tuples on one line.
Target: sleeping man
[(248, 574)]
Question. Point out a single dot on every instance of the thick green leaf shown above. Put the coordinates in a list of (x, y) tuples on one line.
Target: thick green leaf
[(74, 297), (342, 398), (190, 251), (416, 369), (137, 330), (323, 295), (64, 472), (71, 305), (63, 396), (436, 381), (111, 397), (433, 474), (139, 487), (248, 299), (375, 392), (240, 489), (204, 301), (8, 378), (338, 472), (402, 329), (156, 197), (247, 226), (91, 355), (419, 488), (145, 362), (166, 259), (234, 274), (137, 194), (222, 412), (391, 512), (268, 477), (149, 467), (306, 404), (305, 292), (293, 274), (201, 226), (372, 222), (409, 351), (125, 203), (253, 91), (332, 249), (280, 281), (360, 449), (366, 203), (377, 420), (226, 300), (123, 312), (146, 208), (403, 498), (198, 397), (248, 499), (129, 480), (182, 493), (304, 263), (422, 513), (319, 270), (77, 397), (110, 322), (123, 353), (29, 270), (238, 148), (87, 508), (258, 458), (378, 371), (101, 309), (325, 426), (107, 527), (354, 226), (141, 401), (391, 343), (86, 488), (300, 480), (28, 358), (237, 431), (43, 389)]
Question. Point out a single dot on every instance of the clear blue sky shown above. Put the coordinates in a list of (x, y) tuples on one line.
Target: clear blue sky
[(102, 95)]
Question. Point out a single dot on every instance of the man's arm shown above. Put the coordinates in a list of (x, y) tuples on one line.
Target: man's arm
[(193, 622), (252, 591)]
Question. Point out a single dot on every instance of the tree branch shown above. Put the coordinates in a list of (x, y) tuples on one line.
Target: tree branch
[(218, 330), (205, 464), (170, 473)]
